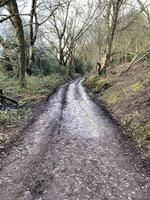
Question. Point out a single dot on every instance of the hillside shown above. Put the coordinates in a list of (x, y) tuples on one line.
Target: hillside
[(127, 98)]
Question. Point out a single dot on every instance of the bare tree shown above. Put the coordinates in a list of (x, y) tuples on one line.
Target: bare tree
[(113, 8), (35, 22), (145, 9), (141, 54), (69, 24)]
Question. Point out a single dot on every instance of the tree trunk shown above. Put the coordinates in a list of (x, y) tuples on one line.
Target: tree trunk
[(34, 27), (72, 61), (61, 59), (31, 57), (61, 56), (20, 41), (106, 56), (111, 24), (105, 60), (16, 72)]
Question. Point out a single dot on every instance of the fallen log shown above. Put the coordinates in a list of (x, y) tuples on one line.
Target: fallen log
[(137, 58), (3, 98)]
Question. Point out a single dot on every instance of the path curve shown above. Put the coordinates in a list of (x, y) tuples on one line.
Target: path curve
[(73, 151)]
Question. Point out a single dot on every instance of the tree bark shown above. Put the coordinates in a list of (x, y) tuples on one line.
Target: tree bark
[(34, 27), (111, 25), (20, 41), (106, 56), (4, 2), (31, 57)]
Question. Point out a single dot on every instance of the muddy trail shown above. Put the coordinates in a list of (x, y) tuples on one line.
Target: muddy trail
[(73, 151)]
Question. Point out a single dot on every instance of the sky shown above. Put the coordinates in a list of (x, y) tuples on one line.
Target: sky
[(25, 5)]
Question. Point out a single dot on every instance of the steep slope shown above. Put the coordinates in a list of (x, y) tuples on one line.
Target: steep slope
[(127, 98)]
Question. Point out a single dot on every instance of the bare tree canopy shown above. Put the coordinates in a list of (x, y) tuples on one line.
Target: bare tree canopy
[(70, 29)]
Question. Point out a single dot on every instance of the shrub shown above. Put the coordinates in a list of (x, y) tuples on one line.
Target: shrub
[(81, 67), (37, 87), (11, 117), (90, 80), (100, 84)]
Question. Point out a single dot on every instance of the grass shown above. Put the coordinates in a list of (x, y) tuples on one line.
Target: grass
[(96, 82), (127, 100), (37, 87), (131, 120), (91, 80), (99, 84), (3, 139), (12, 117), (137, 86), (143, 133), (112, 98)]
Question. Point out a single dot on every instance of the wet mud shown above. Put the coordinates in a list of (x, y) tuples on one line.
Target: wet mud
[(73, 151)]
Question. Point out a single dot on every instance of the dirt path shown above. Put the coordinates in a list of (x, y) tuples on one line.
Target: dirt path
[(73, 151)]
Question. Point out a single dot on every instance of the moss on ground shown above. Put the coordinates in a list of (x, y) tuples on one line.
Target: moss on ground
[(124, 101), (91, 80), (96, 82), (112, 98), (142, 133), (137, 86), (99, 84)]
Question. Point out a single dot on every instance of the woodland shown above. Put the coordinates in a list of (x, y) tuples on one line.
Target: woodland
[(74, 99), (39, 38), (44, 43)]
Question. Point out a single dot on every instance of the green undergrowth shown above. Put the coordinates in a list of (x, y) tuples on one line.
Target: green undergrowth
[(122, 99), (96, 82), (38, 88), (112, 98), (11, 117), (3, 139), (140, 132), (137, 86)]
